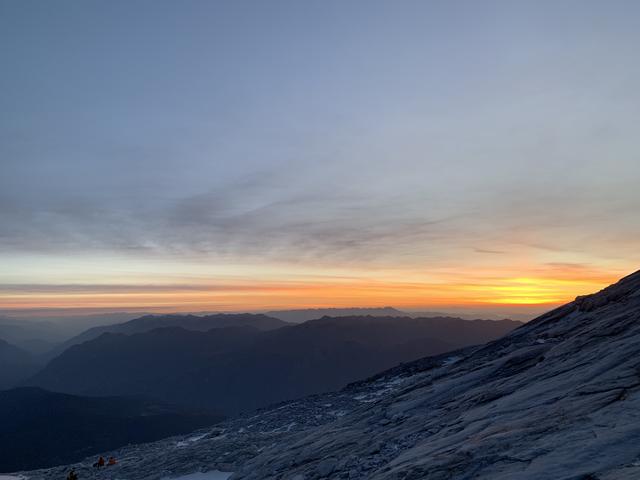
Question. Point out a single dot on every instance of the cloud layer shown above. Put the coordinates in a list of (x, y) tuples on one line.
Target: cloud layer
[(403, 142)]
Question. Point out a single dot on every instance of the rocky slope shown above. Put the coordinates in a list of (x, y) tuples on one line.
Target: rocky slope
[(558, 398)]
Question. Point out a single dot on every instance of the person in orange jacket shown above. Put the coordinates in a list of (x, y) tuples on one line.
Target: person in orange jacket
[(112, 461)]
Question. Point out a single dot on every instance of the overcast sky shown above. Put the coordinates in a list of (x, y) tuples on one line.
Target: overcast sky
[(316, 146)]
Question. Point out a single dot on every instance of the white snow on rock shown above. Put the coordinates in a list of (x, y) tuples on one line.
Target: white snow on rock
[(187, 441), (451, 360)]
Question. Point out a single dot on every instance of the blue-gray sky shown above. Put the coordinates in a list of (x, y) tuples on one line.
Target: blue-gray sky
[(210, 143)]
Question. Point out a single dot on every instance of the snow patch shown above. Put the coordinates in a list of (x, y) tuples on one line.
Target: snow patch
[(450, 361), (188, 441), (384, 388), (396, 381)]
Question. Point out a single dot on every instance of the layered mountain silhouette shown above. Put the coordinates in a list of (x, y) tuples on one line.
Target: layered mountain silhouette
[(33, 336), (40, 428), (196, 323), (306, 314), (16, 365), (41, 333), (237, 369)]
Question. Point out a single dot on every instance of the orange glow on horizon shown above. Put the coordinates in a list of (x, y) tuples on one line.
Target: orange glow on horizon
[(481, 290)]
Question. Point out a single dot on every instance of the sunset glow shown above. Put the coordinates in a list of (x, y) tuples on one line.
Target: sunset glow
[(474, 290), (216, 156)]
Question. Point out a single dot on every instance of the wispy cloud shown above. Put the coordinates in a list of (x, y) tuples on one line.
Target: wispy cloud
[(307, 142)]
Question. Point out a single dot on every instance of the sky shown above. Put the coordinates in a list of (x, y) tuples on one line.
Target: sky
[(247, 155)]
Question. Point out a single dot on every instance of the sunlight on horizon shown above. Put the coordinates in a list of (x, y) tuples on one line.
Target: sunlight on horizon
[(296, 288), (227, 156)]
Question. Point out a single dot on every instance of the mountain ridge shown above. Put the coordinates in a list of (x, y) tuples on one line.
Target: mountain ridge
[(193, 322), (302, 315), (257, 367), (16, 364)]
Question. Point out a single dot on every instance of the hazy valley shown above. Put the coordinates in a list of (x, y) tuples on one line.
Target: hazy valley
[(200, 368)]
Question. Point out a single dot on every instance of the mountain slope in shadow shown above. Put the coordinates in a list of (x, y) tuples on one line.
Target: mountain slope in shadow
[(16, 365), (239, 369), (198, 323), (40, 428)]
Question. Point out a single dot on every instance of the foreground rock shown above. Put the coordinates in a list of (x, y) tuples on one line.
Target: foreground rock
[(559, 398)]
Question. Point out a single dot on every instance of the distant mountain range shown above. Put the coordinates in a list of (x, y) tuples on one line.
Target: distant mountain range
[(47, 336), (306, 314), (40, 428), (221, 364), (236, 369), (147, 323), (16, 365), (41, 333), (35, 337)]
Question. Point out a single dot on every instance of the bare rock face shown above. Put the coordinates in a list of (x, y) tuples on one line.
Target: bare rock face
[(558, 398)]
